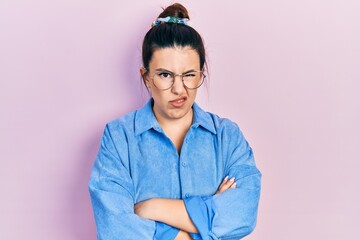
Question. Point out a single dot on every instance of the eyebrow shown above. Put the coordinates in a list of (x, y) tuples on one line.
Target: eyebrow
[(165, 70)]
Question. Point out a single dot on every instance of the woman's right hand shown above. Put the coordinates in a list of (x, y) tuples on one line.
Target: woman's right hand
[(226, 184)]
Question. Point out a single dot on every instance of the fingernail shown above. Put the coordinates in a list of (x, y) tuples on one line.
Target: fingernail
[(232, 179), (226, 178)]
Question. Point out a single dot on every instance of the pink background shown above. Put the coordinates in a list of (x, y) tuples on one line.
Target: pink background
[(286, 71)]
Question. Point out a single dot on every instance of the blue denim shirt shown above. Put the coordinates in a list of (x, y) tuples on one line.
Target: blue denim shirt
[(137, 161)]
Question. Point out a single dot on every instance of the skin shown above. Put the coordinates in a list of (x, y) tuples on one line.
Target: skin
[(175, 122)]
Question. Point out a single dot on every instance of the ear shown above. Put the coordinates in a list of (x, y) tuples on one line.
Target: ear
[(144, 75), (203, 71)]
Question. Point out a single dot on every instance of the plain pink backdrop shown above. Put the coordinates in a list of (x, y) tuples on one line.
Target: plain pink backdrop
[(287, 72)]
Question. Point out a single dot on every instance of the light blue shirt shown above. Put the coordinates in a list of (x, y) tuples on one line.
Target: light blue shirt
[(137, 161)]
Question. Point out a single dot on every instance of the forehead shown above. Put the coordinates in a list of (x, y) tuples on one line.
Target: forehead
[(175, 59)]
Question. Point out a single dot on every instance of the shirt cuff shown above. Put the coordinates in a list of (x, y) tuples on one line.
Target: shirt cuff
[(201, 213), (164, 231)]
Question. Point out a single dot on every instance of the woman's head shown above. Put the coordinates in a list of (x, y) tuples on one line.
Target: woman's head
[(167, 35), (173, 64)]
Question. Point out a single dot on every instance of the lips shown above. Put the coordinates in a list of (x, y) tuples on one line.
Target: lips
[(179, 102)]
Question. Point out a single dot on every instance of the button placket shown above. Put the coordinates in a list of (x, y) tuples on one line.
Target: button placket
[(184, 169)]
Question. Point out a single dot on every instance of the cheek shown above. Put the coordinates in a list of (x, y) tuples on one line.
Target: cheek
[(192, 94), (158, 95)]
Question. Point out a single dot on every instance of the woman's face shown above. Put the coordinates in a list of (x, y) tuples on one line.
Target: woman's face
[(175, 102)]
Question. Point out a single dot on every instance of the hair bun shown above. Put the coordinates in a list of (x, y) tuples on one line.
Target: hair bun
[(175, 10)]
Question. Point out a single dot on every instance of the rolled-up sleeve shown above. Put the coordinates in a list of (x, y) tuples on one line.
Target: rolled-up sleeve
[(233, 213), (112, 196)]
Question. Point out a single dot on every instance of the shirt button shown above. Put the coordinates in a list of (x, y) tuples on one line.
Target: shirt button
[(183, 164), (187, 195)]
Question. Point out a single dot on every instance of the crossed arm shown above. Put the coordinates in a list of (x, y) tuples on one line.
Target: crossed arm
[(173, 211)]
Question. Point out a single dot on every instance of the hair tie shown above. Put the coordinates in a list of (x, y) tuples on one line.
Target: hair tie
[(170, 20)]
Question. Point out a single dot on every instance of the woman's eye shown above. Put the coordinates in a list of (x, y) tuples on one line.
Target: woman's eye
[(165, 75), (190, 75)]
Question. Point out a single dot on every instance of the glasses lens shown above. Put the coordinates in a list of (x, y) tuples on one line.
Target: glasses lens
[(193, 80), (163, 80)]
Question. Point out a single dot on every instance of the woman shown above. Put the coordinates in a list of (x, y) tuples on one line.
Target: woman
[(171, 170)]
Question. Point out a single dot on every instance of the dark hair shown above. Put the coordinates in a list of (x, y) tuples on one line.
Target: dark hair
[(171, 35)]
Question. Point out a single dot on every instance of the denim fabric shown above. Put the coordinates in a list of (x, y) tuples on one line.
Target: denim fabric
[(137, 161)]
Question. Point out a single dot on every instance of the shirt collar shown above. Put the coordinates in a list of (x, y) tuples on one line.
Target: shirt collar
[(203, 119), (145, 119)]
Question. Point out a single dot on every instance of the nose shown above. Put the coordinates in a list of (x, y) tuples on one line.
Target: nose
[(178, 87)]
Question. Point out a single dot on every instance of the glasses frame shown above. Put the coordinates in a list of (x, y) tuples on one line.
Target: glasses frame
[(182, 79)]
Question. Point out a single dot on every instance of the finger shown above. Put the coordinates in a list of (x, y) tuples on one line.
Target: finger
[(233, 185), (224, 181), (220, 188), (229, 183), (226, 185)]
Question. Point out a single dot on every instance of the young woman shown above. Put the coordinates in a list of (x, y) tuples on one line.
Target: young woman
[(171, 170)]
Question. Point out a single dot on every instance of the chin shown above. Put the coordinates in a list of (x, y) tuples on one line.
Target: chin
[(178, 113)]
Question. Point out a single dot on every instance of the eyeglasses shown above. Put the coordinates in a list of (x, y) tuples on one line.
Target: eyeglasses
[(164, 80)]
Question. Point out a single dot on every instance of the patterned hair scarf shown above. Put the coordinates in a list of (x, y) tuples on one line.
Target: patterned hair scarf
[(170, 20)]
